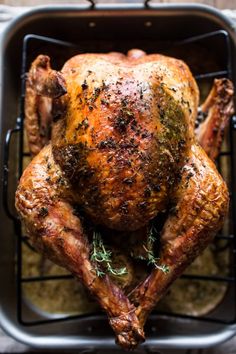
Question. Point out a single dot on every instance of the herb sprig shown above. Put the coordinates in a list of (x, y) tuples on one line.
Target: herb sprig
[(103, 257), (152, 260)]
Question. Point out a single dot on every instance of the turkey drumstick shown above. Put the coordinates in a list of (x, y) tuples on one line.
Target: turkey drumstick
[(201, 201), (44, 200)]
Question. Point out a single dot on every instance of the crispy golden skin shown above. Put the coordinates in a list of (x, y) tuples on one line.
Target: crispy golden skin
[(123, 120), (201, 200), (44, 200), (123, 148)]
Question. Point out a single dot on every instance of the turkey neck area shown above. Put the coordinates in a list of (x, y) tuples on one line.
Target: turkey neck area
[(121, 144)]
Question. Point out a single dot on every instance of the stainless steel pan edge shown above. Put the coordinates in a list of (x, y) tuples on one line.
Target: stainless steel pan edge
[(8, 320), (131, 9), (90, 343)]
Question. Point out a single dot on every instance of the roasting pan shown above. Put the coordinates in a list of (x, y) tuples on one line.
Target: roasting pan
[(102, 28)]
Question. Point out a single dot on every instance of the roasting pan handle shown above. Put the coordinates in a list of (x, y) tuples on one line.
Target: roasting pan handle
[(92, 3), (146, 3), (9, 135)]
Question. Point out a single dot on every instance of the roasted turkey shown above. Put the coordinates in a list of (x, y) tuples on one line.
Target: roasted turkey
[(123, 153)]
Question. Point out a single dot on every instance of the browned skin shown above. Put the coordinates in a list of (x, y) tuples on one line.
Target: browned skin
[(218, 107), (42, 85), (114, 135), (44, 200), (201, 203), (122, 137)]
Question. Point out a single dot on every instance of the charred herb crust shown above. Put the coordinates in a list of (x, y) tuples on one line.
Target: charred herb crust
[(155, 162)]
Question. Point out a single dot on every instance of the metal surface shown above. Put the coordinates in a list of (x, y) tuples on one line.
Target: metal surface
[(168, 23)]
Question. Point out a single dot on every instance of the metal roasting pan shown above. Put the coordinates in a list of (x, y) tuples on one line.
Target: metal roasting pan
[(99, 28)]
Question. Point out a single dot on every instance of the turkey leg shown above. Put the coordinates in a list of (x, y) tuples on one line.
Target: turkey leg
[(201, 202), (44, 200)]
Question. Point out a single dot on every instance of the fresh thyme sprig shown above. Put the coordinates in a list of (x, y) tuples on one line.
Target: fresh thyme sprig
[(152, 260), (151, 235), (101, 255)]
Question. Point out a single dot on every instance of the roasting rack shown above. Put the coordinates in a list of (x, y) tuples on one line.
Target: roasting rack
[(34, 43)]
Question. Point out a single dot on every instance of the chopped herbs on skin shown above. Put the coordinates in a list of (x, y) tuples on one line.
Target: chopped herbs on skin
[(43, 212), (101, 255)]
